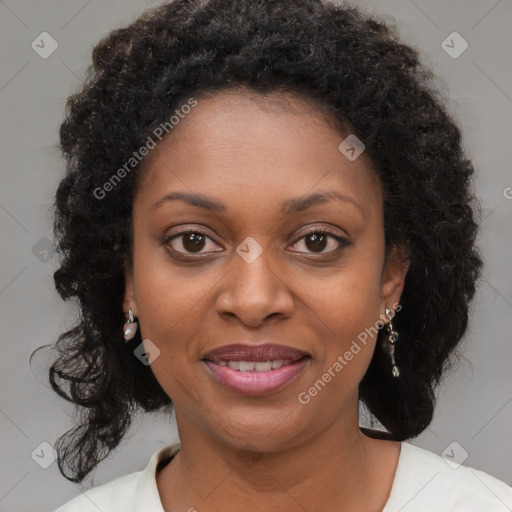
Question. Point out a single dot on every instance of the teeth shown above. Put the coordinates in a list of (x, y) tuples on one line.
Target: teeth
[(258, 366), (262, 366), (246, 366)]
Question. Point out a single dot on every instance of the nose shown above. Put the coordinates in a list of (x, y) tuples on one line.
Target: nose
[(253, 292)]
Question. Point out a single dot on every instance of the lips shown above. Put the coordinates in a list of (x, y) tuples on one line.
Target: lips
[(256, 353), (256, 370)]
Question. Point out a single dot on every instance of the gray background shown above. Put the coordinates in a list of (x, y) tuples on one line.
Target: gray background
[(475, 401)]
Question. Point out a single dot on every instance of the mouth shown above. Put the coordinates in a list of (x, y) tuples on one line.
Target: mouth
[(255, 370)]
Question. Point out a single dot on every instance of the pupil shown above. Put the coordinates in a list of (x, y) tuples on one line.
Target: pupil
[(193, 241), (318, 242)]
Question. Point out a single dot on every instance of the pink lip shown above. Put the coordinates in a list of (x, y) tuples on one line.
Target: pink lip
[(256, 383)]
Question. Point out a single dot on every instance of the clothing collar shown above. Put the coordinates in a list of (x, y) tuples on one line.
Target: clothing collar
[(147, 496)]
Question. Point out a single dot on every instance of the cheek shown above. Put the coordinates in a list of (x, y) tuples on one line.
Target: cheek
[(348, 305), (349, 299), (169, 303), (170, 316)]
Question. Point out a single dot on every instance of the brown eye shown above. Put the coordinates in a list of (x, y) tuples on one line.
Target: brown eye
[(190, 242), (318, 240), (193, 242)]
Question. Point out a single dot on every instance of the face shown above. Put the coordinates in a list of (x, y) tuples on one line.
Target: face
[(285, 245)]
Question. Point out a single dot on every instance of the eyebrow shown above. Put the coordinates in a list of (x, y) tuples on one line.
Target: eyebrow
[(288, 207)]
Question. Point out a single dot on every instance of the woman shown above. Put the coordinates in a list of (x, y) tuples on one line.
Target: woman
[(267, 218)]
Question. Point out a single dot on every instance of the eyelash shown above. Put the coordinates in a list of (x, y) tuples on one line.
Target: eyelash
[(320, 230)]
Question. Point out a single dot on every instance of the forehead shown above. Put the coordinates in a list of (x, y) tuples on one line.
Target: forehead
[(244, 145)]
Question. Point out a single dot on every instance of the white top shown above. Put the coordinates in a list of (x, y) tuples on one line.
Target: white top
[(423, 482)]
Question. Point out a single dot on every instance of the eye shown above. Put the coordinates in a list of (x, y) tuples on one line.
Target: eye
[(196, 241), (190, 242), (319, 239)]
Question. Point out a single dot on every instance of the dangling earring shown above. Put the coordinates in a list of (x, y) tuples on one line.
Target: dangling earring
[(130, 327), (392, 337)]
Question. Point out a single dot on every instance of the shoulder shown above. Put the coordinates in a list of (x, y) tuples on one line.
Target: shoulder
[(128, 493), (425, 481), (116, 495)]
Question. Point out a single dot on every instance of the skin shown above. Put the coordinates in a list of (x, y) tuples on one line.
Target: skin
[(270, 451)]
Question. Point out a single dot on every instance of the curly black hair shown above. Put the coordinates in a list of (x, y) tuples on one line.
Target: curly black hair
[(337, 56)]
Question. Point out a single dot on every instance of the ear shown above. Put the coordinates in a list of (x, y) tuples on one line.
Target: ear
[(129, 300), (393, 278)]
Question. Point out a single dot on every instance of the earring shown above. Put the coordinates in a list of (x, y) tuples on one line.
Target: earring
[(130, 327), (392, 337)]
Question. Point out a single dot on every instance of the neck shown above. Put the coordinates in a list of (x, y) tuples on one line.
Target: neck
[(340, 469)]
